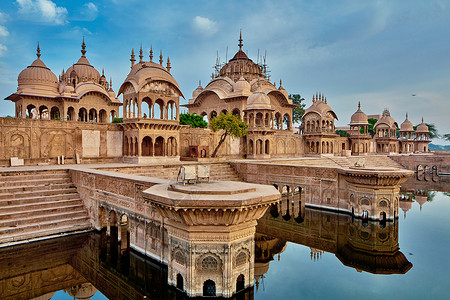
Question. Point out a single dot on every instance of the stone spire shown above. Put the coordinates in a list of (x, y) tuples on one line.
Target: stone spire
[(132, 59), (240, 41), (151, 53), (168, 64), (160, 58), (140, 54), (83, 49), (359, 105), (38, 51), (110, 84)]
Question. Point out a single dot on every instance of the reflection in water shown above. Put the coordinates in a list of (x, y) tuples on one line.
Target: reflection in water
[(86, 264)]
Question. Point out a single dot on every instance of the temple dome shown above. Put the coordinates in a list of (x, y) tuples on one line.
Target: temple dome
[(406, 125), (320, 107), (422, 127), (143, 72), (83, 69), (258, 100), (386, 119), (359, 117), (38, 75), (241, 85), (197, 91)]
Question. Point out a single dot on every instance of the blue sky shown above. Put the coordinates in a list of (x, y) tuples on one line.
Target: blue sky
[(376, 52)]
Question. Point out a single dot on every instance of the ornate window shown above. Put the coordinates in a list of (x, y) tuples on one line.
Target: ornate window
[(383, 203), (209, 263), (365, 201), (179, 257), (241, 258)]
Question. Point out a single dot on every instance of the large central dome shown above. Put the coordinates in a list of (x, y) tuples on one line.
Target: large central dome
[(241, 66)]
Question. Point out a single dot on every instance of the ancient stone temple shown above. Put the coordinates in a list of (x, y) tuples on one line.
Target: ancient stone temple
[(243, 88), (80, 93), (151, 111)]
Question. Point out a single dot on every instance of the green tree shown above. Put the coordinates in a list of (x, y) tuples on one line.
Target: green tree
[(230, 124), (371, 124), (432, 130), (342, 133), (297, 113), (446, 137), (194, 120), (117, 120)]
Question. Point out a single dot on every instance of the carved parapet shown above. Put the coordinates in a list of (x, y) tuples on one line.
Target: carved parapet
[(375, 176)]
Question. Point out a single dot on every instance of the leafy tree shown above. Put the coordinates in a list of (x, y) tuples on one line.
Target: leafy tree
[(446, 137), (371, 124), (342, 133), (117, 120), (194, 120), (432, 130), (297, 113), (231, 125)]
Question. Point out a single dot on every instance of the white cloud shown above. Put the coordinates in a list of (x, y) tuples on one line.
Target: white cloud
[(90, 11), (3, 49), (3, 17), (3, 31), (204, 26), (45, 10)]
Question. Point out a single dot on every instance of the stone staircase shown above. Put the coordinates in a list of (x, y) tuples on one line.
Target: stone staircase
[(218, 171), (36, 204), (343, 162)]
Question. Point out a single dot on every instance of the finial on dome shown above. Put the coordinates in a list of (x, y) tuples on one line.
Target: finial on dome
[(317, 96), (168, 67), (103, 71), (240, 40), (314, 98), (140, 54), (132, 59), (359, 104), (110, 84), (199, 83), (406, 115), (38, 51), (160, 58), (83, 48), (151, 53), (280, 82), (325, 100), (422, 119)]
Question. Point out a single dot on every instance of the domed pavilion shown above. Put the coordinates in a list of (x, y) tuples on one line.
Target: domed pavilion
[(151, 110), (79, 94), (359, 132), (242, 87)]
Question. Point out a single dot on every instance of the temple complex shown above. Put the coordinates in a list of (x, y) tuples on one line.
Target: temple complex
[(146, 182)]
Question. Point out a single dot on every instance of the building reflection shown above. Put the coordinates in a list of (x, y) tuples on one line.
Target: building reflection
[(364, 245)]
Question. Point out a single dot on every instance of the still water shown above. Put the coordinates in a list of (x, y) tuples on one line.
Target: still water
[(322, 256)]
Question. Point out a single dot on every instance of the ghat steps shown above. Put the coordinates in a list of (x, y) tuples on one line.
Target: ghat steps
[(342, 162), (218, 171), (39, 203)]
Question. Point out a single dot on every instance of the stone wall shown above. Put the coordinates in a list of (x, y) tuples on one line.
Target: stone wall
[(42, 141), (109, 196), (441, 160)]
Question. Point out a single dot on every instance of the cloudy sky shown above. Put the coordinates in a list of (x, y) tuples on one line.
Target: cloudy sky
[(378, 52)]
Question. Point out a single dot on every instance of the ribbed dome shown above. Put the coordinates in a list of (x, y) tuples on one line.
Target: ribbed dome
[(197, 91), (386, 119), (143, 71), (241, 85), (84, 71), (37, 74), (359, 117), (258, 100), (320, 107), (406, 125), (422, 127)]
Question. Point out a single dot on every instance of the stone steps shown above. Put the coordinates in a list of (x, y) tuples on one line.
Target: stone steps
[(217, 172), (43, 193), (36, 204), (39, 205), (29, 213), (33, 200), (36, 188), (23, 183), (66, 227), (39, 220)]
